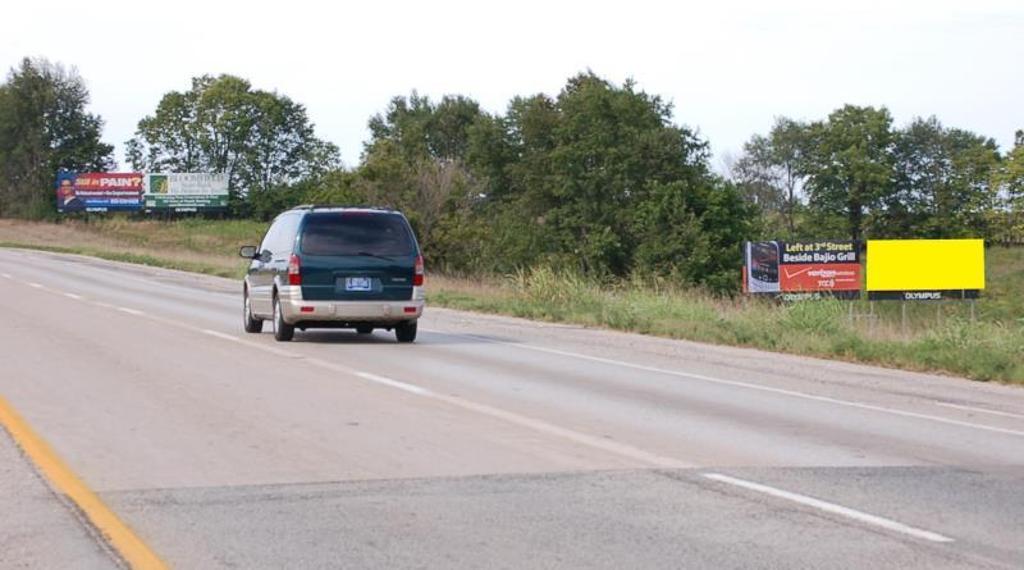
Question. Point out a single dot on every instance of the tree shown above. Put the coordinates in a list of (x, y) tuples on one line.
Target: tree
[(264, 141), (849, 166), (416, 160), (588, 159), (1009, 180), (603, 182), (44, 127), (418, 128), (942, 182), (770, 172), (596, 180)]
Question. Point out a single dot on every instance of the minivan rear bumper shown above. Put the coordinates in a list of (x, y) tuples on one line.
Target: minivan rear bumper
[(295, 310)]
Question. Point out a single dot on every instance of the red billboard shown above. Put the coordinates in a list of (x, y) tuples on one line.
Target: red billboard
[(99, 191), (823, 267)]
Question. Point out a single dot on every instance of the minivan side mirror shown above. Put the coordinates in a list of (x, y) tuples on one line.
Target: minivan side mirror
[(247, 251)]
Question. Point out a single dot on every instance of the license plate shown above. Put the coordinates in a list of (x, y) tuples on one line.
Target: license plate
[(358, 284)]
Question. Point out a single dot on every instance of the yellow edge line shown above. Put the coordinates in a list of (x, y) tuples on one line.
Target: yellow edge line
[(121, 538)]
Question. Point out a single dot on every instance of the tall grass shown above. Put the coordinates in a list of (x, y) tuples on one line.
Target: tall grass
[(979, 350)]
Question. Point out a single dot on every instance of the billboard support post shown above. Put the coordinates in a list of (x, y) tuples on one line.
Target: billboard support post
[(903, 312)]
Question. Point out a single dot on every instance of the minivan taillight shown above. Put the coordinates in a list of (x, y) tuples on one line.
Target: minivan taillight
[(417, 278), (294, 270)]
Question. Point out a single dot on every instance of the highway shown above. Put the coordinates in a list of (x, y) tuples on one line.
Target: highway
[(491, 442)]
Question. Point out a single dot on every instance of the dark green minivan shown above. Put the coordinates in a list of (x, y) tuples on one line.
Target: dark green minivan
[(335, 267)]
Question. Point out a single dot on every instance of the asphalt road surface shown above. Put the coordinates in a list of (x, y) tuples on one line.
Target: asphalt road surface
[(490, 443)]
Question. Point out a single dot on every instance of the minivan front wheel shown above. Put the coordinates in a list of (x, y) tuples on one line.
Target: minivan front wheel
[(282, 331), (406, 332), (251, 325)]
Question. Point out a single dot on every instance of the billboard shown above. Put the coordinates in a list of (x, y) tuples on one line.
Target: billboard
[(925, 269), (99, 191), (803, 269), (186, 192)]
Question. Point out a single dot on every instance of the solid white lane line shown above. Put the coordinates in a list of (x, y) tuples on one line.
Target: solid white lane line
[(980, 410), (36, 286), (752, 386), (832, 508), (73, 296), (135, 312)]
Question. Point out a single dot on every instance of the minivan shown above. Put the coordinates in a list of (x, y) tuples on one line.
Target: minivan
[(335, 267)]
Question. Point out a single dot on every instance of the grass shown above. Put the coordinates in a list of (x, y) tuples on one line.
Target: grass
[(200, 246), (985, 350), (938, 337)]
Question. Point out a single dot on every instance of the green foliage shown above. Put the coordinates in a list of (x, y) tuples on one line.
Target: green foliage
[(770, 174), (263, 140), (597, 180), (861, 177), (942, 183), (44, 127), (1009, 183), (849, 167)]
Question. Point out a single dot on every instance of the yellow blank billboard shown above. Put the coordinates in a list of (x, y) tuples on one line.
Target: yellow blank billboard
[(925, 264)]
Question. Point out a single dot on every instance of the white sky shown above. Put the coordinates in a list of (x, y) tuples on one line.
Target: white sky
[(729, 67)]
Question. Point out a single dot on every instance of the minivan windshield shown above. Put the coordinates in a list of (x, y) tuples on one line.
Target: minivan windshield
[(357, 233)]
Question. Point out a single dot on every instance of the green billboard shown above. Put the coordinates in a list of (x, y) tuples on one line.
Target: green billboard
[(185, 192)]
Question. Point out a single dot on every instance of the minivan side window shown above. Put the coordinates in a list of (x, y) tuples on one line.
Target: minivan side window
[(281, 236)]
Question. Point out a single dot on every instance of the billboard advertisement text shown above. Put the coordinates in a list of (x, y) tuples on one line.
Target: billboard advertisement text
[(99, 191), (821, 268), (186, 192)]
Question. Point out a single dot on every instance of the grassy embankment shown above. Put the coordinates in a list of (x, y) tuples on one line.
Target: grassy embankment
[(939, 337)]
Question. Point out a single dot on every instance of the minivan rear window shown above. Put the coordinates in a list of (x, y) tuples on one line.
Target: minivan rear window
[(357, 233)]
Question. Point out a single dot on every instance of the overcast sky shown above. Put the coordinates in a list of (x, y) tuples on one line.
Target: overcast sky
[(728, 66)]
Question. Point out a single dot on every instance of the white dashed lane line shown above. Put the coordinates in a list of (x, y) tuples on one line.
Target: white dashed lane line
[(750, 386), (583, 438), (832, 508)]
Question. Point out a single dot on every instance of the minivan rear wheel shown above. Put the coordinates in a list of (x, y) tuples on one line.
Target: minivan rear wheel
[(251, 325), (364, 329), (282, 331), (406, 332)]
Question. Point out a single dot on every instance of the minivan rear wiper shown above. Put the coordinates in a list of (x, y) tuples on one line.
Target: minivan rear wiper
[(368, 254)]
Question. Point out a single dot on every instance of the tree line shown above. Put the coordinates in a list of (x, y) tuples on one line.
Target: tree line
[(597, 179), (855, 174)]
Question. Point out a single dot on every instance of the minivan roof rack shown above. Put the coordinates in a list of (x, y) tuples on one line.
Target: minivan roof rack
[(341, 206)]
